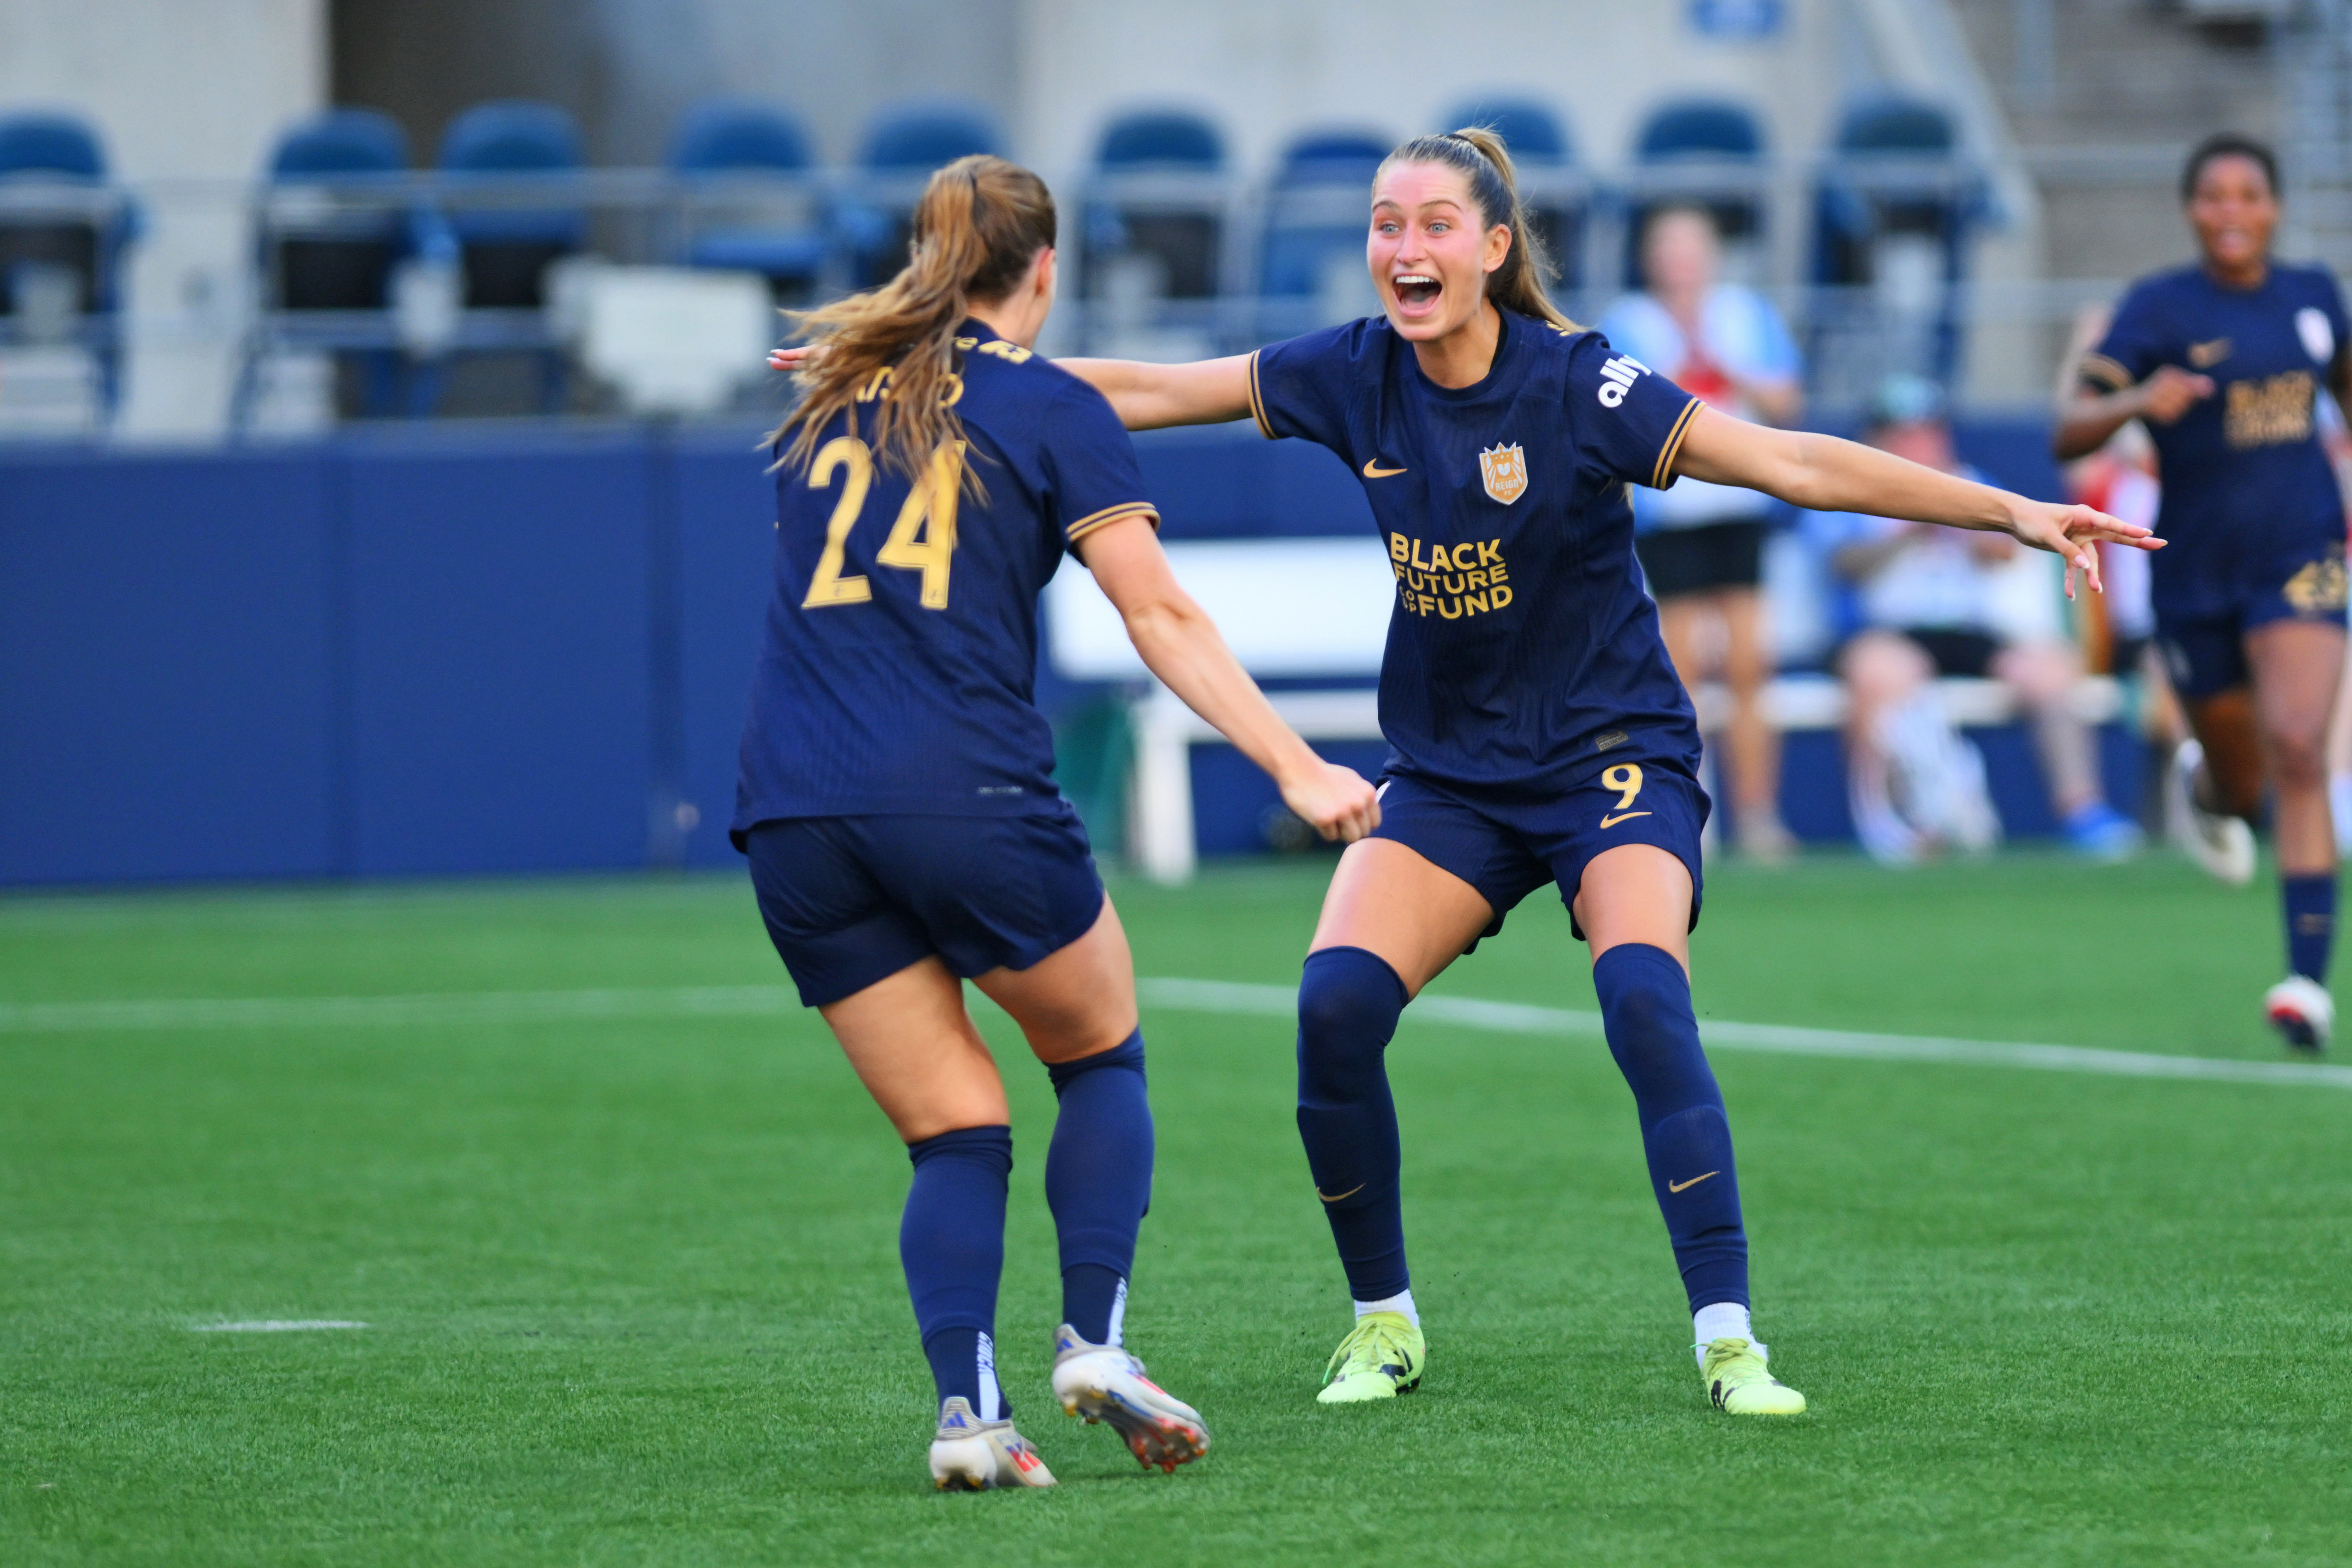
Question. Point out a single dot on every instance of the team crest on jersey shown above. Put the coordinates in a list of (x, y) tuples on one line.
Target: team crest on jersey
[(1505, 470)]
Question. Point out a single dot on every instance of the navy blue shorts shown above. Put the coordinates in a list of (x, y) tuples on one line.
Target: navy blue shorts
[(1508, 849), (849, 901), (2206, 655)]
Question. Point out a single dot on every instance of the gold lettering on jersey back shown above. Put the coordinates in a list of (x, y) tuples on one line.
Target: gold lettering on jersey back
[(2269, 412), (1505, 471), (1012, 353), (1450, 582), (2320, 588)]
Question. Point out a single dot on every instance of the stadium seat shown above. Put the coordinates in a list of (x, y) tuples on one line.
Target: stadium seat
[(1892, 212), (1311, 260), (751, 206), (1557, 196), (903, 145), (507, 249), (330, 226), (1156, 213), (1701, 151), (507, 240), (63, 221)]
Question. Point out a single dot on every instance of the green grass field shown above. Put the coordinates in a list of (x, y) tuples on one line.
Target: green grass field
[(627, 1251)]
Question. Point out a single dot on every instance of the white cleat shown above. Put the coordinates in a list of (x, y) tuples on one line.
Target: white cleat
[(1103, 1383), (969, 1455), (2300, 1008), (2222, 844)]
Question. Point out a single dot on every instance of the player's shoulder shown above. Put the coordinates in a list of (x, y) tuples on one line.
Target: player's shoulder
[(2313, 281), (1021, 391), (2168, 289)]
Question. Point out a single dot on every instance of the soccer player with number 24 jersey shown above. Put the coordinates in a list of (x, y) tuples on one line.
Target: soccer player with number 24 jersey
[(896, 796)]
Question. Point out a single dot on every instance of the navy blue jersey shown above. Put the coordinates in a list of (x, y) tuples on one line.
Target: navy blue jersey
[(2249, 495), (1522, 652), (902, 639)]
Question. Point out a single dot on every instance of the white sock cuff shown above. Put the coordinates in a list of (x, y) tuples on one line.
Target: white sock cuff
[(1398, 1303)]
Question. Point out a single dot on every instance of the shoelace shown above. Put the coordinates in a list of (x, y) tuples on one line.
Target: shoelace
[(1376, 1343)]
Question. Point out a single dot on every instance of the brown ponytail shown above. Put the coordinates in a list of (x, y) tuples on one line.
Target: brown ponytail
[(1478, 150), (980, 224)]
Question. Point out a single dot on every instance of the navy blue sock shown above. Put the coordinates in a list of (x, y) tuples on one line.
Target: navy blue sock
[(1645, 1006), (1098, 1181), (951, 1245), (1349, 1003), (2310, 922)]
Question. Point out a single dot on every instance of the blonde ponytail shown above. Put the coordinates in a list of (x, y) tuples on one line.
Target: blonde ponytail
[(980, 224), (1478, 150)]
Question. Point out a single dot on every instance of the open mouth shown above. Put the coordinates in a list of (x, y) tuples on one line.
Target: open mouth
[(1416, 291)]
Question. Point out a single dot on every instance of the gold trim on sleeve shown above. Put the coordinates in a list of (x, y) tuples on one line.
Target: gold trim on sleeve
[(2107, 372), (1111, 514), (1664, 474), (1257, 399)]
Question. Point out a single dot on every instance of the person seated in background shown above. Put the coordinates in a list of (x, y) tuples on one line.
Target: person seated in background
[(1950, 604), (1702, 545)]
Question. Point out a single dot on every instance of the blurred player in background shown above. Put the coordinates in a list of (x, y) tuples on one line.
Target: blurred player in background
[(2224, 362), (896, 798), (1702, 545), (2119, 626), (1934, 603), (1539, 733)]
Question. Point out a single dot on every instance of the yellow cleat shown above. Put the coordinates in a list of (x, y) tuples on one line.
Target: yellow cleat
[(1739, 1382), (1380, 1358)]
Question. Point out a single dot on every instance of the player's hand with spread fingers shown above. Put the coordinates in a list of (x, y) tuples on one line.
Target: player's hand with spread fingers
[(2073, 533), (1334, 801)]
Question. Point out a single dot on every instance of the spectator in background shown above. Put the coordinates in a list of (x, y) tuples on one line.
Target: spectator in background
[(1953, 605), (1702, 545)]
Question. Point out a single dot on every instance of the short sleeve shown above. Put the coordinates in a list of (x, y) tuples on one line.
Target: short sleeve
[(1299, 387), (2132, 348), (1090, 466), (1631, 420)]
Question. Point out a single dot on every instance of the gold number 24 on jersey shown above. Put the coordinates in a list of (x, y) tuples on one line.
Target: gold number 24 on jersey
[(923, 537)]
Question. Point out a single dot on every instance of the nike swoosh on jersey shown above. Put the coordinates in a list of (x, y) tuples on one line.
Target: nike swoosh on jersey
[(1621, 816), (1679, 1186), (1373, 470)]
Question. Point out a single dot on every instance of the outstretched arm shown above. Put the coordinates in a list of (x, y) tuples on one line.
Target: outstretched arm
[(2086, 418), (1145, 396), (1153, 396), (1822, 473), (1181, 646)]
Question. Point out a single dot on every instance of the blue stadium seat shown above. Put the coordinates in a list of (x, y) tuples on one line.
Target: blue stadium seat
[(1895, 176), (1556, 197), (918, 138), (330, 226), (1699, 128), (508, 250), (1699, 152), (1530, 129), (63, 217), (735, 226), (903, 145), (1161, 139), (1317, 214), (1158, 189)]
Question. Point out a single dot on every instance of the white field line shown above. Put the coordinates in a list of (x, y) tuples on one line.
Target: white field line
[(1184, 995), (275, 1326), (1518, 1018)]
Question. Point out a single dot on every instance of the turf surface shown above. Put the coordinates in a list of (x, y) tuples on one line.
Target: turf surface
[(634, 1295)]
